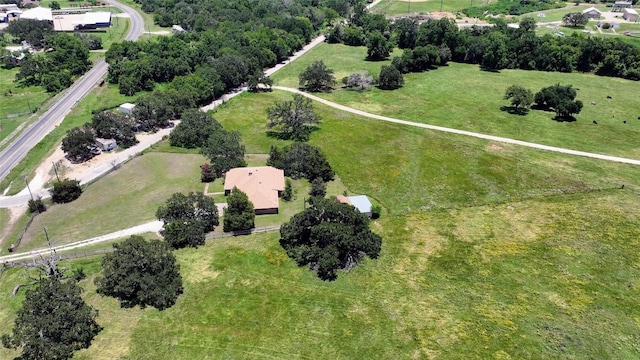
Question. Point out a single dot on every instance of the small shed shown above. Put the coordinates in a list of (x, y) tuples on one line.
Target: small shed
[(361, 202), (177, 29), (106, 144), (592, 13), (127, 108), (630, 14), (619, 6)]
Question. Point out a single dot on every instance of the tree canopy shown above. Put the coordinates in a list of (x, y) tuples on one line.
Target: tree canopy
[(30, 30), (111, 125), (54, 321), (295, 118), (187, 218), (576, 19), (521, 98), (390, 78), (194, 129), (65, 191), (225, 150), (239, 214), (317, 77), (78, 144), (141, 272), (560, 99), (301, 160), (329, 236), (378, 46)]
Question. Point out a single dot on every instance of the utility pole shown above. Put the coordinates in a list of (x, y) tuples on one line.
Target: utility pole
[(441, 5), (409, 10), (55, 169), (28, 188)]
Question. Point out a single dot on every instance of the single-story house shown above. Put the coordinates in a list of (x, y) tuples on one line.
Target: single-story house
[(106, 144), (361, 202), (592, 13), (630, 14), (127, 108), (38, 13), (262, 184), (618, 6)]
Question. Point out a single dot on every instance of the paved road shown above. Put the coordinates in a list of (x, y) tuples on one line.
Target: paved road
[(19, 148), (463, 132)]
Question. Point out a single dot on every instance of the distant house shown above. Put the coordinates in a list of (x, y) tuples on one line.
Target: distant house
[(177, 29), (630, 14), (262, 184), (361, 202), (592, 13), (619, 6), (9, 11), (127, 108), (106, 144)]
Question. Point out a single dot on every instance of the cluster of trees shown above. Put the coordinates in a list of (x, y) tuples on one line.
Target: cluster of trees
[(500, 47), (80, 142), (372, 30), (227, 44), (301, 160), (329, 236), (55, 69), (187, 218), (558, 98), (223, 148)]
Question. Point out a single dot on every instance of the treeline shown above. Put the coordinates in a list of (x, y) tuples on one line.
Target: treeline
[(200, 15), (435, 42), (65, 58), (227, 43)]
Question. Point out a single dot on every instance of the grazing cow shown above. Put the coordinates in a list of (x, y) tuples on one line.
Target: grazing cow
[(595, 122), (609, 97)]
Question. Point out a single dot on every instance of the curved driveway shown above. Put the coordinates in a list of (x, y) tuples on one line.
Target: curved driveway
[(29, 138), (462, 132)]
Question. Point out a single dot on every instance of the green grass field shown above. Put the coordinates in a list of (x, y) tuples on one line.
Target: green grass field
[(401, 7), (462, 96), (127, 197), (547, 278), (17, 102)]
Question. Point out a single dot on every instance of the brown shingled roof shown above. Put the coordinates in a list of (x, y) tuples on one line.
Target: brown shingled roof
[(261, 184)]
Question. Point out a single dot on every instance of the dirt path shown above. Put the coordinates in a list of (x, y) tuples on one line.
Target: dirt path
[(463, 132)]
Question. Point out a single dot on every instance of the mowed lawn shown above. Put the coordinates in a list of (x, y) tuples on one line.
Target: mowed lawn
[(554, 277), (408, 169), (462, 96), (124, 198), (408, 7)]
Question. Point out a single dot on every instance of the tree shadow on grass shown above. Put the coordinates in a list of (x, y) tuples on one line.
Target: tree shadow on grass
[(559, 118), (286, 136), (514, 111)]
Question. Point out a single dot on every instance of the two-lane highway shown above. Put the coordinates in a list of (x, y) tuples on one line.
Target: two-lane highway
[(29, 138)]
